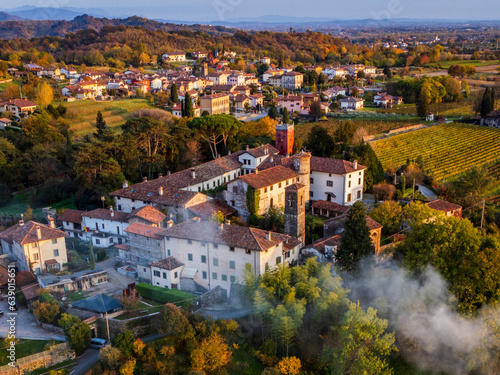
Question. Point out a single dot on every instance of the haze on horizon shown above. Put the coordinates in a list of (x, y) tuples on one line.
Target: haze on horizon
[(221, 10)]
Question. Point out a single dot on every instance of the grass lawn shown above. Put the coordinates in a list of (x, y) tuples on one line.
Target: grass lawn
[(19, 204), (244, 363), (24, 348), (4, 85), (75, 295), (64, 366), (447, 64), (82, 113), (146, 310), (151, 302)]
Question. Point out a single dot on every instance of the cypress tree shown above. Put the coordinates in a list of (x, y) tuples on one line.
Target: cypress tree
[(183, 112), (188, 106), (286, 117), (355, 243), (173, 94), (100, 125), (273, 112)]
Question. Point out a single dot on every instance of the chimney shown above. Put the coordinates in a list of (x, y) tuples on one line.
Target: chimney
[(247, 148), (271, 159), (228, 222), (21, 222), (218, 156), (144, 179), (111, 211), (268, 236), (193, 173), (168, 173), (160, 190), (38, 233), (125, 184), (170, 224), (229, 152), (51, 222), (221, 226), (256, 170), (160, 174), (355, 164)]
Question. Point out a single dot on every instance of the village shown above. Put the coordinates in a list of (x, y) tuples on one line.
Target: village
[(164, 206)]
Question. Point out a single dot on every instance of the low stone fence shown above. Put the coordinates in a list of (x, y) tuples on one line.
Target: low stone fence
[(56, 354)]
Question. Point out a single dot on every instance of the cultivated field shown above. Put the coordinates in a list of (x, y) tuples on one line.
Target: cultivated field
[(82, 113), (447, 150)]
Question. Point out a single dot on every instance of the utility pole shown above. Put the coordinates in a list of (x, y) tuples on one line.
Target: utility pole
[(106, 313), (482, 214)]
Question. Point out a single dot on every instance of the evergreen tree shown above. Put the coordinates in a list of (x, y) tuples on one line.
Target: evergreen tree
[(100, 124), (286, 116), (273, 112), (356, 242), (173, 94), (423, 102), (485, 103), (188, 106), (183, 111)]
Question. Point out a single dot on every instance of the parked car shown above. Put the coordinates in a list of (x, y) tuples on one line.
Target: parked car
[(97, 343)]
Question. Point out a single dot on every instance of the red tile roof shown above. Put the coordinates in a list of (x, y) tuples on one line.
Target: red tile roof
[(21, 103), (27, 233), (70, 215), (145, 230), (148, 213), (339, 222), (330, 206), (104, 214), (328, 241), (444, 206), (206, 209), (30, 291), (230, 235), (334, 166), (269, 177), (170, 263)]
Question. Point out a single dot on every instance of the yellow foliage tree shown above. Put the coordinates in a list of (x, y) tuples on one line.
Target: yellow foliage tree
[(44, 94), (138, 347), (128, 367), (289, 366), (211, 355)]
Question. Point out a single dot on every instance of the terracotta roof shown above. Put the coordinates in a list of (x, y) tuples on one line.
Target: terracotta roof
[(206, 209), (27, 233), (144, 230), (215, 96), (148, 213), (335, 166), (327, 241), (263, 150), (230, 235), (70, 215), (122, 246), (444, 206), (269, 177), (170, 263), (330, 206), (340, 222), (295, 186), (21, 103), (149, 192), (49, 262), (104, 214), (30, 291), (351, 100)]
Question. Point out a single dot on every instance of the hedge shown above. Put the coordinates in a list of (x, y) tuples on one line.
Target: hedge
[(163, 295)]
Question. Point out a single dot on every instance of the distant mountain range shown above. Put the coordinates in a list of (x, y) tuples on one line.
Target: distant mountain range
[(52, 14), (29, 29), (28, 22)]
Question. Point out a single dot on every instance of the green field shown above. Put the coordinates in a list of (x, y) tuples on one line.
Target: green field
[(19, 204), (4, 85), (447, 64), (447, 150), (24, 348), (82, 113)]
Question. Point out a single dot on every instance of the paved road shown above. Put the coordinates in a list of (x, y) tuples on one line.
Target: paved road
[(26, 327), (91, 356), (427, 192)]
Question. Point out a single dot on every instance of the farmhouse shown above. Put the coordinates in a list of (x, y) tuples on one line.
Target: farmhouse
[(18, 107), (35, 246), (351, 103)]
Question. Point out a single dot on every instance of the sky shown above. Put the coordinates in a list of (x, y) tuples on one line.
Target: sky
[(221, 10)]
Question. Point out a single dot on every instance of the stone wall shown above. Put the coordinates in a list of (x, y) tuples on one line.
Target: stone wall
[(55, 355)]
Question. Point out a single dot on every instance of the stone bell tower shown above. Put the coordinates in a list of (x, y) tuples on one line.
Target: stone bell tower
[(295, 210)]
